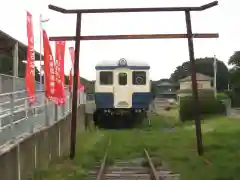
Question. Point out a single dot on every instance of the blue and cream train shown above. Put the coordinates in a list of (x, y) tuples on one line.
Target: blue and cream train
[(122, 92)]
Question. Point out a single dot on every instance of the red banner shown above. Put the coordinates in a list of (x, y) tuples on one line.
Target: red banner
[(71, 51), (49, 69), (30, 67), (59, 71), (80, 86)]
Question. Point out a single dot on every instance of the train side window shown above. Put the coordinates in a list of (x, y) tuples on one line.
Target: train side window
[(139, 77), (122, 79), (106, 78)]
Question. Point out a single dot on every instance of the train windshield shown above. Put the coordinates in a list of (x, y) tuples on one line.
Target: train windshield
[(122, 79), (139, 78), (106, 78)]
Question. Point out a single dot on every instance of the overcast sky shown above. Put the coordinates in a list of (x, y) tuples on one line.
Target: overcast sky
[(162, 55)]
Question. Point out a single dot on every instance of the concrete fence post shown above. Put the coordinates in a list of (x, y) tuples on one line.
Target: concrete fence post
[(32, 121), (26, 109), (59, 141), (57, 118), (70, 103), (228, 107), (12, 109), (47, 123), (35, 154), (18, 162), (55, 112), (63, 110)]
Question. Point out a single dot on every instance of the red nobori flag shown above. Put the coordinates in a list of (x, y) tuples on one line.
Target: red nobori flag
[(71, 51), (59, 71), (80, 86), (49, 69), (30, 67)]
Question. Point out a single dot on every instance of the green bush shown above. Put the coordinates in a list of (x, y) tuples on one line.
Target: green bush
[(202, 93), (208, 106), (235, 98), (222, 96)]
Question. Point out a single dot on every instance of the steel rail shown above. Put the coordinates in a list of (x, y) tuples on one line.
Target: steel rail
[(151, 165), (103, 164)]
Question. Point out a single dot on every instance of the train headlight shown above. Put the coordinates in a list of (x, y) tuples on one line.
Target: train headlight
[(122, 62), (107, 110), (138, 110), (139, 80)]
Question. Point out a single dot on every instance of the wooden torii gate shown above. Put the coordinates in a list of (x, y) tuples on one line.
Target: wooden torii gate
[(189, 35)]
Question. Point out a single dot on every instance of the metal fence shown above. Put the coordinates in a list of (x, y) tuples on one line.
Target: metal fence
[(18, 118), (11, 84)]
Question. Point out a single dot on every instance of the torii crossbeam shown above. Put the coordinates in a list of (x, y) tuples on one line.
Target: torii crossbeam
[(77, 38)]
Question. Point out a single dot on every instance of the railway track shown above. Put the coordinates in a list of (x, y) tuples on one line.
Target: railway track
[(137, 169)]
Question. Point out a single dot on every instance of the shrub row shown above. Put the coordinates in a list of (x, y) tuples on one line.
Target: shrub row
[(207, 106), (235, 98)]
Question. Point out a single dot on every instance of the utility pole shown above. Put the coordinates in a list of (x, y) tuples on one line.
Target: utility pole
[(215, 75), (194, 83)]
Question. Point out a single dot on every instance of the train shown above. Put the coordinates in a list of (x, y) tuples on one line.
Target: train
[(122, 93)]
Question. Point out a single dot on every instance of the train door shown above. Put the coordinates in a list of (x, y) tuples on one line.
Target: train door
[(122, 85)]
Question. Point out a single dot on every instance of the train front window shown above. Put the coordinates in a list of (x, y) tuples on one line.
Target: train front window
[(106, 78), (139, 78), (122, 78)]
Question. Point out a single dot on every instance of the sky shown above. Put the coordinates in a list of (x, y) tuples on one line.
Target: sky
[(163, 55)]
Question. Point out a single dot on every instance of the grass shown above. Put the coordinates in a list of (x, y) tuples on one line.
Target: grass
[(176, 148), (90, 149)]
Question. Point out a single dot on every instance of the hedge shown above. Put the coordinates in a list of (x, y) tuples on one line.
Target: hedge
[(222, 96), (235, 98), (208, 106)]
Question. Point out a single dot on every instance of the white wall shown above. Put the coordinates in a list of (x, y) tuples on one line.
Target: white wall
[(201, 85)]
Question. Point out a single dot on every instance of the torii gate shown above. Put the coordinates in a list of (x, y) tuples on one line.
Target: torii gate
[(77, 38)]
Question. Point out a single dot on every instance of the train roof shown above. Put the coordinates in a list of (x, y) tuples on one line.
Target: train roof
[(113, 64)]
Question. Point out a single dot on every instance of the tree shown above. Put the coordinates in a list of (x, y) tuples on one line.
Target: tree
[(89, 85), (234, 61), (234, 94), (153, 88), (6, 67), (204, 66), (66, 79)]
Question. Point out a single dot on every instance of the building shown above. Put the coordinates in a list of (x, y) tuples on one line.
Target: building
[(17, 50), (166, 89), (203, 83)]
